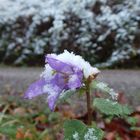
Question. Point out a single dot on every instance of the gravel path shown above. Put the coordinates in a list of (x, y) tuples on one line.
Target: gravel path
[(17, 80)]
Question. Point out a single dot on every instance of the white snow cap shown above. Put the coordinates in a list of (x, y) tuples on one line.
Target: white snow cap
[(78, 61)]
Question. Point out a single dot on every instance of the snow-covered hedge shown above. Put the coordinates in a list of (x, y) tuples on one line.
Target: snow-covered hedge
[(103, 31)]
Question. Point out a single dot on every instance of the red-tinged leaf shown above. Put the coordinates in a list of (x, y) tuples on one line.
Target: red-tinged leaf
[(123, 129), (118, 125), (135, 133)]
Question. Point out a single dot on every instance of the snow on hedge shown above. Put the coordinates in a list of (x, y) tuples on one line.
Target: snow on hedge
[(30, 27)]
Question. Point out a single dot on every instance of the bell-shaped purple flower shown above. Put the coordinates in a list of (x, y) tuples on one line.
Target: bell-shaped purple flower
[(64, 76)]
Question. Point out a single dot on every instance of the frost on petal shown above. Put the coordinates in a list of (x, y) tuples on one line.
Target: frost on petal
[(58, 65), (75, 81), (48, 73), (53, 92), (75, 61), (35, 89), (60, 80), (52, 100), (95, 71)]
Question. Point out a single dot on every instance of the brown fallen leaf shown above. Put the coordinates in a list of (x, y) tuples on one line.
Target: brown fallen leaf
[(28, 135), (110, 136), (122, 98), (19, 134), (19, 111), (68, 114), (41, 118), (47, 138), (42, 126)]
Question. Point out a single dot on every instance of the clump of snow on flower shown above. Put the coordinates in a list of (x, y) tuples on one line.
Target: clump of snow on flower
[(90, 135), (48, 72), (78, 61)]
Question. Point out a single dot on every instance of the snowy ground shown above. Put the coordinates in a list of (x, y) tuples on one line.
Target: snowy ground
[(16, 80)]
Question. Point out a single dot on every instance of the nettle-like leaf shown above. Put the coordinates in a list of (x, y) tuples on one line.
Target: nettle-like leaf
[(104, 88), (76, 130), (132, 120), (109, 107)]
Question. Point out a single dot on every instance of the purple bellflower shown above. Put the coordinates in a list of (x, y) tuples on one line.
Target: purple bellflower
[(62, 72)]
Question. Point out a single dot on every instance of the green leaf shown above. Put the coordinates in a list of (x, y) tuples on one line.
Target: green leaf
[(81, 91), (104, 88), (132, 120), (109, 107), (76, 130), (9, 130)]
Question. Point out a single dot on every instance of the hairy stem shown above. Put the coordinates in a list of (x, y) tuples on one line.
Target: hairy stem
[(89, 109)]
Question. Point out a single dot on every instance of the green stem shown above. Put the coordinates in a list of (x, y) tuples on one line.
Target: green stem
[(89, 109)]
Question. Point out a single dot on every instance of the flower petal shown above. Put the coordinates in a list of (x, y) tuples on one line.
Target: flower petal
[(58, 65), (35, 89), (59, 80), (52, 99), (53, 94), (75, 80)]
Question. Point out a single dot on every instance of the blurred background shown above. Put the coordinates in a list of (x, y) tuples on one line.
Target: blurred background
[(105, 32)]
